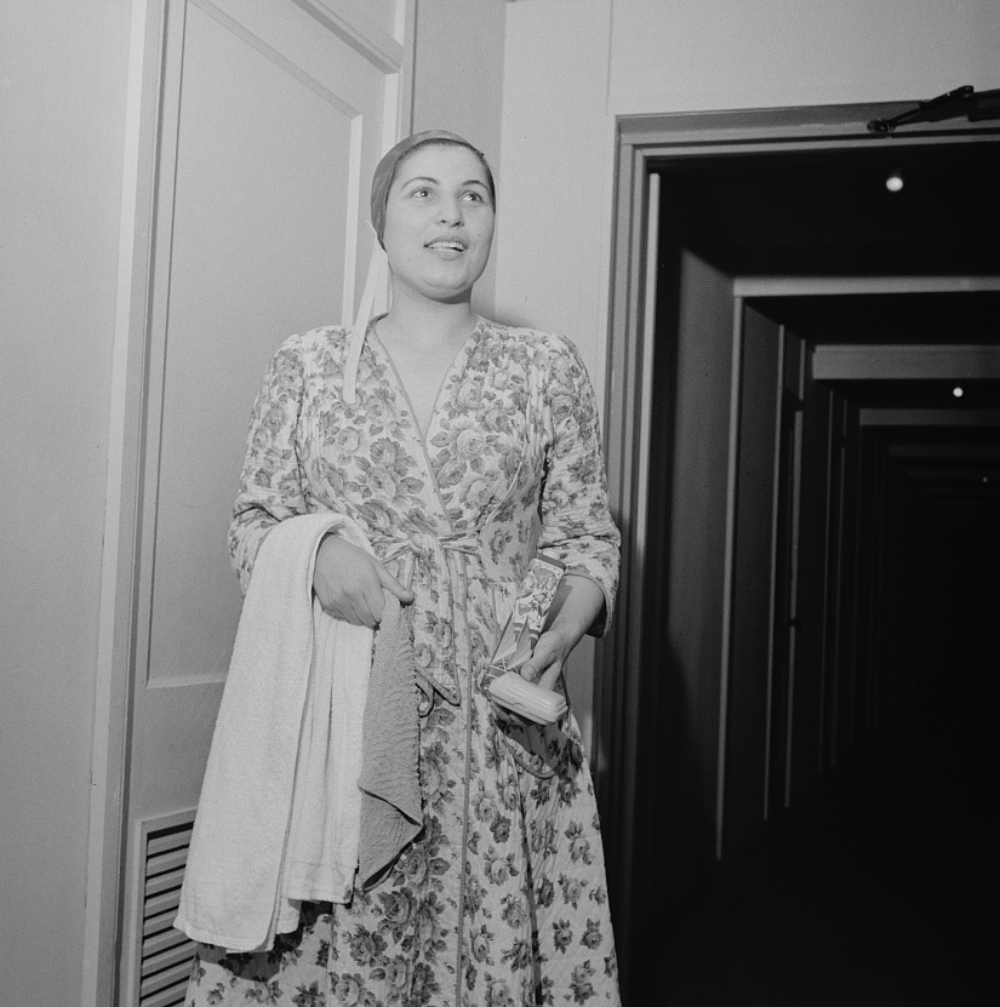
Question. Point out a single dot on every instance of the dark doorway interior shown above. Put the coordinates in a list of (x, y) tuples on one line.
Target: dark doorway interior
[(869, 876), (829, 212)]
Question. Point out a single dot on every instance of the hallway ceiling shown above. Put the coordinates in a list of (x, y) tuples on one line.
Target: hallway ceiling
[(899, 394), (829, 213)]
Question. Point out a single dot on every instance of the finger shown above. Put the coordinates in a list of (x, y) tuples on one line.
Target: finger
[(543, 656), (501, 712), (331, 605), (386, 579), (374, 601), (550, 676), (363, 616), (351, 607), (348, 612), (506, 716), (531, 669)]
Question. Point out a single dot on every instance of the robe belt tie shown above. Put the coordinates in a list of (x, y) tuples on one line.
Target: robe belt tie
[(429, 551), (431, 559), (451, 640)]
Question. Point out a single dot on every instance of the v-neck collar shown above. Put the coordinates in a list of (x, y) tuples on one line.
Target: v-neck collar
[(457, 366)]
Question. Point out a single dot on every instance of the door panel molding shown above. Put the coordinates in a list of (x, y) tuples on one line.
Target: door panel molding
[(183, 34), (386, 50), (381, 53), (255, 41)]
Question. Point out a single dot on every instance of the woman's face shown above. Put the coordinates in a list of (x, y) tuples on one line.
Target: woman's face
[(438, 223)]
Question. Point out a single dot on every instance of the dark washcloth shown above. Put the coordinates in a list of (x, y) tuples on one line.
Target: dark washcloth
[(391, 811)]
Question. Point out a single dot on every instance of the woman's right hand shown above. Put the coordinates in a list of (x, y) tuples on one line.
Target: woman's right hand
[(349, 583)]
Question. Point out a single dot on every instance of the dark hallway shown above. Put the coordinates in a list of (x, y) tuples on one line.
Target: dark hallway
[(814, 822), (874, 891), (878, 886)]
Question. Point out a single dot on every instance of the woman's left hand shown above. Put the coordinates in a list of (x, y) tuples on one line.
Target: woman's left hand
[(543, 667), (577, 603), (547, 660)]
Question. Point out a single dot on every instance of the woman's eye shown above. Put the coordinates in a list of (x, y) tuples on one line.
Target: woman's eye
[(420, 192), (475, 197)]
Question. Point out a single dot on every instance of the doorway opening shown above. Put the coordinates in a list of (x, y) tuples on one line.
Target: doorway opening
[(807, 529)]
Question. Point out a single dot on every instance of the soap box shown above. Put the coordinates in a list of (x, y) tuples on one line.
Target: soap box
[(528, 616), (503, 682)]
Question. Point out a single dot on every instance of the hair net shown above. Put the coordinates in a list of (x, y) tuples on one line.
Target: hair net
[(385, 171)]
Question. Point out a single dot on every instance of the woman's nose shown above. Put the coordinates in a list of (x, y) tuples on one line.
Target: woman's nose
[(451, 212)]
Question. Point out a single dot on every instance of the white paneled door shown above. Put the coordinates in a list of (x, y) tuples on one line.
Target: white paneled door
[(256, 126)]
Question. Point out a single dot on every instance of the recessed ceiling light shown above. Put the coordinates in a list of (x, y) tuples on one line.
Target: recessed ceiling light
[(958, 391), (894, 180)]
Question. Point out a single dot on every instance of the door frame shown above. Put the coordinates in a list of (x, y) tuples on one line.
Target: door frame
[(642, 142), (129, 399)]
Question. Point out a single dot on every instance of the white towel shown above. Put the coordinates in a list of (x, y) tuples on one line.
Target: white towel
[(279, 815)]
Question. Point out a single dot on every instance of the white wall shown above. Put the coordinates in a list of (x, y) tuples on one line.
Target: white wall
[(553, 244), (458, 86), (557, 150), (572, 66), (679, 55), (62, 98)]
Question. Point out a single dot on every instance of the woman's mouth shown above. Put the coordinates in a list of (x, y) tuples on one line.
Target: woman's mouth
[(449, 244)]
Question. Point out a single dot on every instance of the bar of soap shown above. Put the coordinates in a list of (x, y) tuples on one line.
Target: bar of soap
[(527, 699)]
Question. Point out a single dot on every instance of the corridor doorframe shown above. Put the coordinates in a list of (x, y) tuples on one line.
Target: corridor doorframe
[(643, 143)]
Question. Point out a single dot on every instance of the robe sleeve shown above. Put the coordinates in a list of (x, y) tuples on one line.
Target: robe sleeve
[(577, 527), (271, 483)]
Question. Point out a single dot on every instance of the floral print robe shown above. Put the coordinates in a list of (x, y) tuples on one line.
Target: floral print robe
[(501, 900)]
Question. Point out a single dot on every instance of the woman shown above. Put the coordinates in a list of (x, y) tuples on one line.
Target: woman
[(461, 447)]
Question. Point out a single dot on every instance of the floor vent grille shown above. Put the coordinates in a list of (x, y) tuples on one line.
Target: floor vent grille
[(165, 954)]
